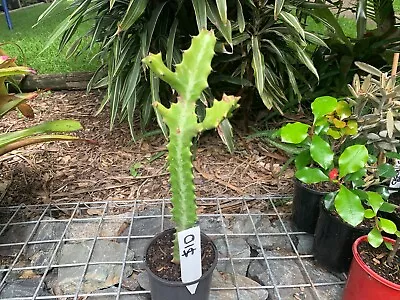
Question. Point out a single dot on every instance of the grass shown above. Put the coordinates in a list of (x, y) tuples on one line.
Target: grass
[(32, 41), (348, 25)]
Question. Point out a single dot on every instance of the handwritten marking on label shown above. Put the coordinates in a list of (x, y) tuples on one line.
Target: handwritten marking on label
[(190, 253)]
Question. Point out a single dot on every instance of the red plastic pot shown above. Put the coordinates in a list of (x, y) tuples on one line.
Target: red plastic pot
[(365, 284)]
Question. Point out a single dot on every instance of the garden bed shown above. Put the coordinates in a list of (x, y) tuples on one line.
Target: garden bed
[(115, 168)]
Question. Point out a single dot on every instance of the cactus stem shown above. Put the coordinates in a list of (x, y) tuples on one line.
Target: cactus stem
[(189, 80)]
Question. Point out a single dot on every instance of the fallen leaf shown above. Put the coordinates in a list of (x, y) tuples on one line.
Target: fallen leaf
[(28, 274), (94, 212)]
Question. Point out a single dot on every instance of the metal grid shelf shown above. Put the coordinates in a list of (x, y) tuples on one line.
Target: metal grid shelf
[(44, 232)]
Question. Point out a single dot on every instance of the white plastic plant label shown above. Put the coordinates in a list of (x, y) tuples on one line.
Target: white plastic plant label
[(394, 183), (190, 255)]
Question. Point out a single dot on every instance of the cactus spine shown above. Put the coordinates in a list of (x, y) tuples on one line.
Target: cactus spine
[(188, 80)]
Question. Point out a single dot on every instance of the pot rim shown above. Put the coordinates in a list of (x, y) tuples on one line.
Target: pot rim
[(180, 283), (306, 187), (364, 266)]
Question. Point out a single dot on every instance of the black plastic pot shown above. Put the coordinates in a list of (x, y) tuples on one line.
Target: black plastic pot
[(333, 240), (305, 208), (162, 289)]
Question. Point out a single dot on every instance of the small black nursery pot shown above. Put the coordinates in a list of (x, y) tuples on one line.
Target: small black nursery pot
[(162, 289), (305, 208), (333, 240)]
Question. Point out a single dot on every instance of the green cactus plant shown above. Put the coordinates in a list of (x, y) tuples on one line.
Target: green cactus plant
[(189, 80)]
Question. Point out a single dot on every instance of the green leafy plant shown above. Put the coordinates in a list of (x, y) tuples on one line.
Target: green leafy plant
[(189, 80), (373, 46), (323, 156), (376, 203), (260, 49), (8, 101)]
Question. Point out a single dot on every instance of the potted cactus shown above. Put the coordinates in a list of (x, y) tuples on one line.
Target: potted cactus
[(164, 255)]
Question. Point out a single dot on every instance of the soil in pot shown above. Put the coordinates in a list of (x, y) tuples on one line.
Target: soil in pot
[(375, 258), (362, 282), (306, 200), (165, 276), (159, 257), (333, 240)]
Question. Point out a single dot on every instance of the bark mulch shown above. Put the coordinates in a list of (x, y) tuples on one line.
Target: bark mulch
[(70, 171)]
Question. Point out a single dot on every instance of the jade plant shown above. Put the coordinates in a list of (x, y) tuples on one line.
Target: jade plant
[(188, 80), (9, 101), (325, 156)]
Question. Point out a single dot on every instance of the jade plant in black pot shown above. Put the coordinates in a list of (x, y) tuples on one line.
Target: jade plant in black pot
[(344, 213), (168, 255), (315, 146)]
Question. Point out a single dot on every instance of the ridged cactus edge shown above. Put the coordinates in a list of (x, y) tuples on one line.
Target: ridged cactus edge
[(189, 80)]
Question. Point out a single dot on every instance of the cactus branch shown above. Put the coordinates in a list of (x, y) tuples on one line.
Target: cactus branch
[(189, 80)]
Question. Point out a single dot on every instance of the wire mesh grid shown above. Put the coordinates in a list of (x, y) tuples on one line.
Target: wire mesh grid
[(94, 250)]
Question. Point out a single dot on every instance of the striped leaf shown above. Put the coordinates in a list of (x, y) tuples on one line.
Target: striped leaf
[(214, 17), (226, 134), (291, 20), (152, 24), (315, 39), (278, 8), (302, 55), (155, 97), (240, 17), (258, 65), (222, 10), (133, 13), (170, 43), (200, 12)]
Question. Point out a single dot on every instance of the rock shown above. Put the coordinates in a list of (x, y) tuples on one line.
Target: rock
[(289, 272), (210, 225), (305, 243), (131, 283), (288, 223), (146, 224), (22, 288), (138, 246), (98, 276), (226, 281), (114, 291), (144, 280), (238, 249), (271, 235), (41, 253), (330, 292), (285, 271), (242, 223), (86, 229), (320, 275), (300, 293), (17, 233)]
